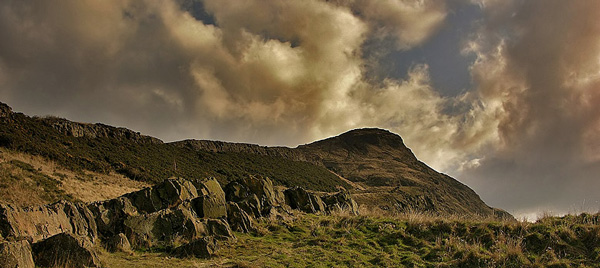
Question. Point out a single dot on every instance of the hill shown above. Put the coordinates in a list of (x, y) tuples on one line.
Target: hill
[(384, 173), (379, 161), (104, 149), (381, 171)]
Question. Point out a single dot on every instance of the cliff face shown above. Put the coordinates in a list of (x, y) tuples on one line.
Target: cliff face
[(93, 131), (220, 146)]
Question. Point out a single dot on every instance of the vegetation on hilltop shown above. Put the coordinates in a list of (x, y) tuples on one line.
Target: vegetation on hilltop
[(412, 240), (149, 161)]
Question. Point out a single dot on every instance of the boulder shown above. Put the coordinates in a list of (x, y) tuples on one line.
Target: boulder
[(40, 222), (209, 186), (211, 200), (341, 201), (16, 254), (298, 198), (167, 194), (238, 219), (252, 206), (163, 228), (65, 250), (254, 194), (110, 214), (118, 243), (204, 247), (219, 229)]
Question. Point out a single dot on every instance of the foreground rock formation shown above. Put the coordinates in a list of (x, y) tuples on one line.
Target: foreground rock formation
[(191, 217)]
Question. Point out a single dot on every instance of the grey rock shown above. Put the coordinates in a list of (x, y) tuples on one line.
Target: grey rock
[(211, 200), (238, 219), (118, 243), (254, 194), (298, 198), (98, 131), (341, 201), (167, 194), (163, 228), (110, 214), (40, 222), (220, 229)]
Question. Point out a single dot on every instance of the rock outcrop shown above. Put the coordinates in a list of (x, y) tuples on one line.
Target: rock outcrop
[(339, 202), (219, 146), (40, 222), (16, 254), (299, 198), (65, 250), (195, 213), (238, 219), (253, 194), (98, 130), (162, 228), (168, 194), (174, 210), (118, 243), (210, 202)]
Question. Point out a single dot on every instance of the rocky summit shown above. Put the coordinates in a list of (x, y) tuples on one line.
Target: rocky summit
[(389, 176), (192, 217)]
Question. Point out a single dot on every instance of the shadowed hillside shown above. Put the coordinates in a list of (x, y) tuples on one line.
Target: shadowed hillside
[(104, 149)]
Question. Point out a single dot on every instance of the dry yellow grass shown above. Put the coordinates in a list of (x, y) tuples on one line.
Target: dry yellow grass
[(19, 187)]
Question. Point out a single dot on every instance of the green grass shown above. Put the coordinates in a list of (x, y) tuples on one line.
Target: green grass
[(151, 162), (367, 241)]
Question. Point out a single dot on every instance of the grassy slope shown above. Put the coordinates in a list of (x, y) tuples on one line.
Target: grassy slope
[(411, 240), (27, 180), (153, 162)]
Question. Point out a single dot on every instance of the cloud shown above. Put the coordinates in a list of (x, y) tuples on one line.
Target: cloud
[(408, 23), (270, 72), (537, 66), (289, 72), (273, 72)]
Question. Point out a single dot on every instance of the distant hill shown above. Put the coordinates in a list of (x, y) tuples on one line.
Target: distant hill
[(374, 164)]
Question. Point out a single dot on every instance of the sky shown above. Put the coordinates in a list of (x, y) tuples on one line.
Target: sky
[(500, 94)]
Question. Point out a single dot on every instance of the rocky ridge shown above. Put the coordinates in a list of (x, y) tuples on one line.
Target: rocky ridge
[(191, 217), (98, 131)]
